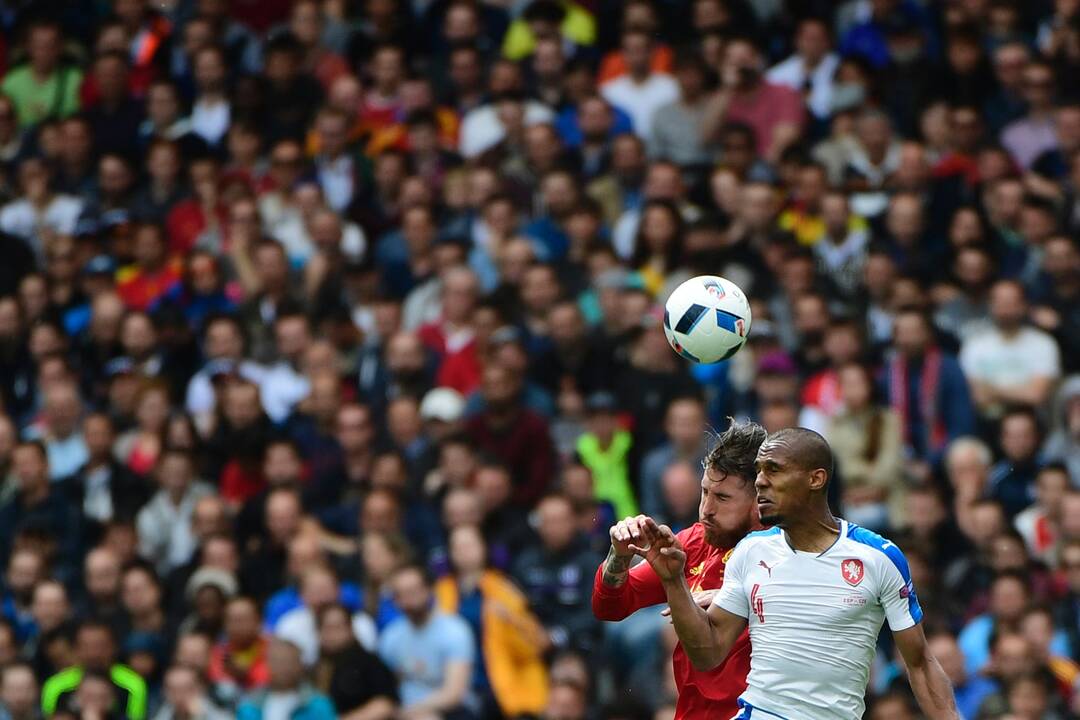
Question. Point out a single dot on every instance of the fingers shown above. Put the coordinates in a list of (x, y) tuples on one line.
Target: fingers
[(638, 550), (666, 612), (632, 529)]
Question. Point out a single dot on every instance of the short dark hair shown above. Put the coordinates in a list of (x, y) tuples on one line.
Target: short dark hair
[(733, 451), (809, 447)]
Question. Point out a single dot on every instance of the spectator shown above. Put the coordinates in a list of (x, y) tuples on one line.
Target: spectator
[(1064, 442), (509, 640), (95, 652), (970, 689), (44, 87), (318, 589), (1009, 363), (865, 439), (1012, 480), (19, 692), (605, 449), (811, 69), (38, 506), (556, 576), (432, 652), (775, 112), (286, 693), (238, 663), (164, 524), (186, 697), (516, 435), (685, 428), (926, 387), (356, 680)]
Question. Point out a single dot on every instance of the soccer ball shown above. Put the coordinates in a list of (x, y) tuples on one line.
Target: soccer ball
[(707, 319)]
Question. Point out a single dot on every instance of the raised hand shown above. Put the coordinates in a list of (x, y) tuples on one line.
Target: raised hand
[(626, 532), (661, 549)]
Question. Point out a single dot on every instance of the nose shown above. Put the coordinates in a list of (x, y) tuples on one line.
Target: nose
[(760, 481)]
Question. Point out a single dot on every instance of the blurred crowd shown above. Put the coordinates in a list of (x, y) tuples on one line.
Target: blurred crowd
[(331, 337)]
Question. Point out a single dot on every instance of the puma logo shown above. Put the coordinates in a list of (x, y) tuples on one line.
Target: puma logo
[(767, 568)]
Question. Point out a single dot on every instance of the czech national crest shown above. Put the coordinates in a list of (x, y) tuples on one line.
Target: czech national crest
[(852, 570)]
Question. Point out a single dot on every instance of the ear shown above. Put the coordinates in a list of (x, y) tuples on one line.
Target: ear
[(818, 479)]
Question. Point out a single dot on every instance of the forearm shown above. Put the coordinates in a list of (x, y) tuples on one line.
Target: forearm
[(616, 569), (713, 116), (696, 632), (1032, 393), (933, 690), (450, 695)]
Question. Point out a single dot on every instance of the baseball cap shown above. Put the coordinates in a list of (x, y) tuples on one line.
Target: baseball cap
[(99, 265), (119, 366), (442, 403), (601, 401)]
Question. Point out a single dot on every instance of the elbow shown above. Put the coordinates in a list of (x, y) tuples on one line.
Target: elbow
[(703, 660), (605, 611)]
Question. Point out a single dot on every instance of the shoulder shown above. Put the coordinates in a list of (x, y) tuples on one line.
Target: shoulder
[(884, 550), (757, 538), (451, 627), (1038, 339)]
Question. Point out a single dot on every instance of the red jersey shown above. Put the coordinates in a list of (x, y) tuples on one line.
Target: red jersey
[(702, 695)]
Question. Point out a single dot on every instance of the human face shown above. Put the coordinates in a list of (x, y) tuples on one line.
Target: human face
[(283, 659), (467, 549), (557, 528), (411, 594), (335, 632), (1007, 306), (783, 487), (726, 510), (18, 691)]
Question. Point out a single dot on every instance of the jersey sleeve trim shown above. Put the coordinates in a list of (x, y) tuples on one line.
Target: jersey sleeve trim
[(896, 557)]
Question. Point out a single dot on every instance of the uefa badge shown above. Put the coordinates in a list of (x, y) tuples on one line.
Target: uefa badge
[(852, 571)]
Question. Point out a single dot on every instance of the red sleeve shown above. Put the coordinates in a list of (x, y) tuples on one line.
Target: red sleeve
[(642, 589)]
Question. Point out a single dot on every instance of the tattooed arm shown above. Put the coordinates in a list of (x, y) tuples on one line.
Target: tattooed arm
[(619, 589), (616, 568)]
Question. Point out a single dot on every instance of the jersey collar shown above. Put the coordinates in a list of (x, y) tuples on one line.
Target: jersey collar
[(840, 535)]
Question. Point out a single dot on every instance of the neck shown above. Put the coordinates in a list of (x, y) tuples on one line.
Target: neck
[(468, 580), (42, 74), (814, 533), (37, 493)]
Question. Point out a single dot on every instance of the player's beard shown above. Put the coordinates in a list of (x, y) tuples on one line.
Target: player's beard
[(723, 538)]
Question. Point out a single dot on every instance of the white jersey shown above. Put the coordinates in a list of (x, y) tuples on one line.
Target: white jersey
[(815, 618)]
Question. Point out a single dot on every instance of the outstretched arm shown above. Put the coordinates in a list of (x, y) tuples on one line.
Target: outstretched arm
[(928, 681), (706, 636)]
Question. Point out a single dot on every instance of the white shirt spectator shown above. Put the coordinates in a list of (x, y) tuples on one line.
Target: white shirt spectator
[(164, 529), (337, 178), (21, 219), (280, 389), (641, 100), (481, 129), (792, 73), (298, 626), (1003, 362), (210, 121)]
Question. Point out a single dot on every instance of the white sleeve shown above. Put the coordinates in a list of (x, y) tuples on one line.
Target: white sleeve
[(732, 595), (896, 590), (1046, 360), (968, 354)]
